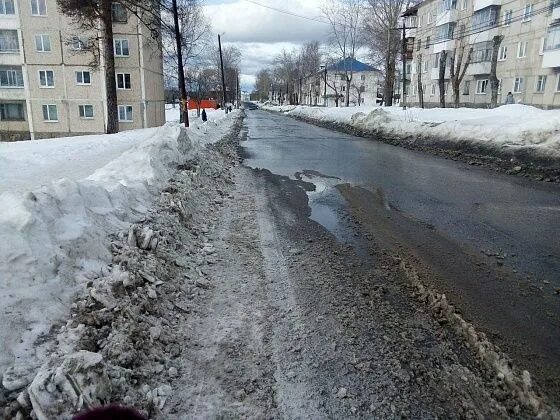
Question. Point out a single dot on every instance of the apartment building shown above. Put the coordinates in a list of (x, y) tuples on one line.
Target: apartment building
[(47, 86), (363, 88), (528, 58)]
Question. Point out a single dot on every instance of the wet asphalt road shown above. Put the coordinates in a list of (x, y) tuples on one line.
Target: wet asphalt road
[(452, 218), (477, 207)]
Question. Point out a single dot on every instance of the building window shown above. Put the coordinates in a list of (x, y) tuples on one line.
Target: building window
[(449, 5), (50, 113), (7, 7), (541, 83), (508, 14), (527, 12), (363, 77), (429, 17), (433, 91), (9, 41), (419, 44), (466, 87), (83, 78), (425, 66), (11, 112), (552, 40), (86, 111), (123, 81), (522, 49), (79, 44), (465, 4), (46, 78), (118, 12), (482, 52), (558, 83), (11, 77), (445, 32), (121, 47), (518, 85), (427, 42), (485, 18), (502, 54), (39, 7), (42, 43), (481, 86), (125, 113)]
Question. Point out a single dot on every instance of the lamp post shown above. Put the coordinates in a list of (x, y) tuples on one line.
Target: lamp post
[(324, 69)]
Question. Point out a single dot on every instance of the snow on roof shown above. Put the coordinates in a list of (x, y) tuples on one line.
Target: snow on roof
[(351, 64)]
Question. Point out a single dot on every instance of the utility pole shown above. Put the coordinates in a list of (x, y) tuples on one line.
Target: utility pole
[(325, 89), (180, 69), (404, 65), (237, 92), (222, 68)]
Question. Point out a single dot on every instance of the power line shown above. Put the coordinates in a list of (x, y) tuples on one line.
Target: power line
[(287, 12)]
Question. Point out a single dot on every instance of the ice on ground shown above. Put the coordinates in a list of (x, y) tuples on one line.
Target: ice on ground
[(60, 198), (508, 126)]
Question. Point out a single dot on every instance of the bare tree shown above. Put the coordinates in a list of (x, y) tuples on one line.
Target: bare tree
[(458, 69), (263, 84), (344, 17), (201, 82), (494, 81), (441, 78), (420, 85), (381, 20)]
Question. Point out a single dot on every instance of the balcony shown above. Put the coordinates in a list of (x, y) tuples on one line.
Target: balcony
[(410, 33), (447, 16), (480, 68), (556, 13), (551, 58), (481, 4), (443, 46), (483, 36)]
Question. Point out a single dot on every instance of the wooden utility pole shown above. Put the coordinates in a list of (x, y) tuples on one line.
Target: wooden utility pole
[(223, 77), (403, 96), (180, 69)]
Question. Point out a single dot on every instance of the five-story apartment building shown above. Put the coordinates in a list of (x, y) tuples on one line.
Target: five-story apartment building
[(528, 61), (48, 86)]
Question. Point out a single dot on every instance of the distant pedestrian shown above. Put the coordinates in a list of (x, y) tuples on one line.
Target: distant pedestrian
[(204, 116), (510, 99)]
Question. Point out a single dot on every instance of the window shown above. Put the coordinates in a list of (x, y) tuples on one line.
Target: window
[(42, 43), (46, 78), (552, 40), (419, 44), (444, 32), (541, 83), (123, 81), (426, 66), (50, 113), (485, 18), (83, 78), (11, 77), (39, 7), (433, 90), (408, 67), (518, 85), (7, 7), (558, 83), (362, 77), (481, 86), (121, 47), (554, 4), (527, 12), (86, 111), (362, 89), (79, 44), (449, 5), (502, 54), (465, 4), (9, 41), (11, 112), (429, 18), (427, 42), (508, 14), (125, 113), (522, 49), (436, 61), (482, 52), (119, 13), (466, 87)]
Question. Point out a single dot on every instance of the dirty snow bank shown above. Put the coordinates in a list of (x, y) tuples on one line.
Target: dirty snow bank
[(60, 200), (510, 127), (122, 341)]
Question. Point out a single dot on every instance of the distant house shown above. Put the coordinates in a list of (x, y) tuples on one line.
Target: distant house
[(363, 87)]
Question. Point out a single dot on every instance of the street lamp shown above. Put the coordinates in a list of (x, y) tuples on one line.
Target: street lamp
[(324, 68)]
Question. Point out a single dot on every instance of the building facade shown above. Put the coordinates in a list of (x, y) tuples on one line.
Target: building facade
[(364, 87), (528, 58), (47, 86)]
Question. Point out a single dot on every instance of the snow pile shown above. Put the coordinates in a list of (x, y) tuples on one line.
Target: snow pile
[(60, 199), (506, 127)]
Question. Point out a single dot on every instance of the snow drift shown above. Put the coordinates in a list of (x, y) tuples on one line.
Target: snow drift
[(60, 200)]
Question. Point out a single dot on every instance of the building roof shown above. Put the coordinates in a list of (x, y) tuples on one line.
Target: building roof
[(351, 64)]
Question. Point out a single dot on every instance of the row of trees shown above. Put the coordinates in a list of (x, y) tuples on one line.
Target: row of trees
[(178, 27)]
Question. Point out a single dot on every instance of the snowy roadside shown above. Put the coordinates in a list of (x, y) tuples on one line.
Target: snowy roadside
[(61, 200), (518, 139)]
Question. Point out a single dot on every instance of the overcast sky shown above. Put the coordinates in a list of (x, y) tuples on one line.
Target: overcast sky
[(261, 33)]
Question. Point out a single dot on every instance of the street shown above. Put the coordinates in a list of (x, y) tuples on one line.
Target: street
[(486, 240)]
